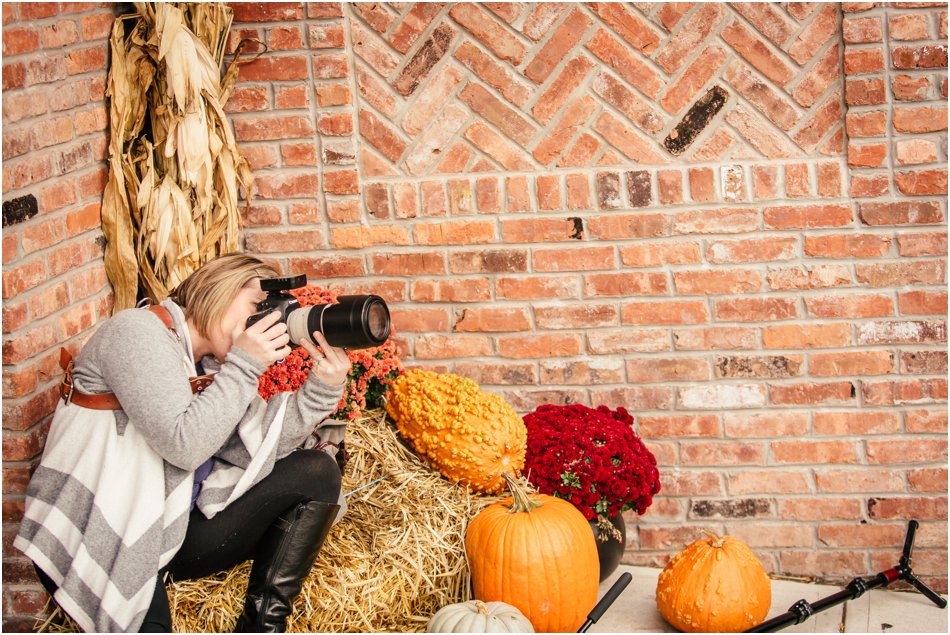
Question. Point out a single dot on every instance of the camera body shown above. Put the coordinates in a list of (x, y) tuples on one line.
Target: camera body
[(355, 321)]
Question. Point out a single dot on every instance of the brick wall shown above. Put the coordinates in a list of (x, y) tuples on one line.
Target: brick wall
[(729, 219), (55, 288)]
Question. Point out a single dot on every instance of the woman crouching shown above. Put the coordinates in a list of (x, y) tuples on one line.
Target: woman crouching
[(149, 470)]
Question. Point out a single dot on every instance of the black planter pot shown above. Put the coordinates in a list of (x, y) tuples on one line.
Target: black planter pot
[(609, 551)]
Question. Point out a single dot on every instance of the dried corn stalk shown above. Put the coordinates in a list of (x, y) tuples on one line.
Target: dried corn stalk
[(171, 202)]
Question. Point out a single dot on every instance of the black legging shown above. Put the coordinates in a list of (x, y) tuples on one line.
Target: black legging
[(230, 538)]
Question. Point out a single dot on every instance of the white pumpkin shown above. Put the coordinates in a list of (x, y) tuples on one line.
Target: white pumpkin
[(476, 616)]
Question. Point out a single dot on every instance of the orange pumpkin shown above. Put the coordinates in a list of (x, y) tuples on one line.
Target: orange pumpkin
[(715, 585), (537, 553)]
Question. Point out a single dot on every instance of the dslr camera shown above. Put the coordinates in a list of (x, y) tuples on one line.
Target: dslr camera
[(357, 321)]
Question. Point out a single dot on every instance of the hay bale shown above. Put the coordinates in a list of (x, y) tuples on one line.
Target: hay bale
[(397, 556)]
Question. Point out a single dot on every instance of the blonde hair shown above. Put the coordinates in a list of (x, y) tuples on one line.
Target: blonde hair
[(206, 294)]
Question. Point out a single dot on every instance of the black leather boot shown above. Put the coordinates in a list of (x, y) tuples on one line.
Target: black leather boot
[(283, 560)]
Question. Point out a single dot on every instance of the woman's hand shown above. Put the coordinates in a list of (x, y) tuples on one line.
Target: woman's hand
[(266, 340), (331, 366)]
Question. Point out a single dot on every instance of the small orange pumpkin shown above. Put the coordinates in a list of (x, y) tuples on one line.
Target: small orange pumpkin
[(715, 585), (537, 553)]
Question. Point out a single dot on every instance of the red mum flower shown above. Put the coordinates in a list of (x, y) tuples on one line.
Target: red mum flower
[(590, 457)]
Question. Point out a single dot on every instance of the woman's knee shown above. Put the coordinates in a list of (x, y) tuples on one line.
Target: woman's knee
[(316, 473)]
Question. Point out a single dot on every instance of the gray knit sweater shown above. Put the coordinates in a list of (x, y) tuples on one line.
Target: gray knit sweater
[(108, 505)]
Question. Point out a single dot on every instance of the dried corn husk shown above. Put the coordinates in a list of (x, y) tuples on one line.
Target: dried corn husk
[(171, 202), (396, 557)]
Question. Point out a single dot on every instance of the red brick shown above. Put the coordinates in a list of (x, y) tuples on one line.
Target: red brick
[(542, 345), (715, 338), (846, 364), (927, 56), (22, 277), (420, 320), (819, 78), (331, 95), (717, 282), (870, 185), (797, 180), (617, 226), (769, 101), (702, 186), (567, 35), (684, 90), (344, 182), (689, 36), (866, 124), (923, 421), (628, 25), (907, 88), (862, 30), (927, 480), (492, 320), (923, 508), (867, 155), (862, 61), (655, 254), (454, 233), (411, 264), (493, 73), (289, 186), (488, 32), (922, 119), (807, 216), (751, 250), (574, 117), (814, 452), (631, 143), (757, 54), (814, 394), (508, 154), (329, 266), (268, 69), (922, 182), (578, 192), (665, 312), (865, 92), (755, 309), (908, 27), (800, 336), (586, 373), (669, 370), (288, 97), (271, 128), (896, 332), (627, 340), (628, 66), (535, 288), (901, 273), (560, 90), (766, 482), (849, 306), (327, 66), (922, 303), (625, 284), (858, 480), (900, 213), (916, 151), (267, 11), (710, 453), (826, 509), (922, 244), (582, 259)]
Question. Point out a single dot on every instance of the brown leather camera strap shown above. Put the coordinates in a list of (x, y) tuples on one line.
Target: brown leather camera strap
[(108, 400)]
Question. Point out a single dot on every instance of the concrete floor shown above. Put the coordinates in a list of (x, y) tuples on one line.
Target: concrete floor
[(879, 610)]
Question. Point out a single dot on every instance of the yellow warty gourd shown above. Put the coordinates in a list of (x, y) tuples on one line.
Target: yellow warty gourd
[(469, 435)]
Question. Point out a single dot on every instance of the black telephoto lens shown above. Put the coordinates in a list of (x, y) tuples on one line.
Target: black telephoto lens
[(356, 321)]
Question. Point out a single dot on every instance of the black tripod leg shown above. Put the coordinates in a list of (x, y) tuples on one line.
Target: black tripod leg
[(925, 590)]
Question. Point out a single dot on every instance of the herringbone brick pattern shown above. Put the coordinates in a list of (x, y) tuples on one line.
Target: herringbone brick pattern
[(460, 87)]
